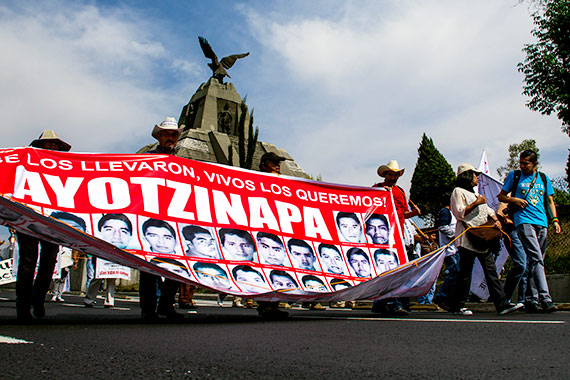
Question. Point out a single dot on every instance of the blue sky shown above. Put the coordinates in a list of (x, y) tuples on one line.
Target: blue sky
[(343, 86)]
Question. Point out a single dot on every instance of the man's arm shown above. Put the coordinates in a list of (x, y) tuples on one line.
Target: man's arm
[(503, 197), (552, 210)]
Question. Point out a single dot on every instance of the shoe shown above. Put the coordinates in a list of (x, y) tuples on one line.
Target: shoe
[(316, 306), (184, 305), (149, 317), (508, 308), (88, 305), (54, 299), (60, 299), (271, 312), (237, 304), (23, 313), (520, 306), (463, 311), (531, 307), (109, 306), (549, 307), (441, 303), (170, 314), (220, 299), (39, 310), (399, 312)]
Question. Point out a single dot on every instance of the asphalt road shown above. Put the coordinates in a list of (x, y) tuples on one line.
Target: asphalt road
[(231, 343)]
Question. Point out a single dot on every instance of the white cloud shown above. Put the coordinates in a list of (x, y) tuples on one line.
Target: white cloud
[(87, 74), (370, 81)]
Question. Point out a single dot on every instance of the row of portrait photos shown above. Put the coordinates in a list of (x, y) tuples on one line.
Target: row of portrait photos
[(255, 262)]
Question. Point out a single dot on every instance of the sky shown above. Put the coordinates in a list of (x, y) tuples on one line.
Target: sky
[(343, 86)]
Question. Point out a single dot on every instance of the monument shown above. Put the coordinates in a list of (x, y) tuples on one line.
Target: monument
[(211, 121)]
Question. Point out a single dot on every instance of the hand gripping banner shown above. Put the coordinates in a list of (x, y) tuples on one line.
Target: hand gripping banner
[(236, 231)]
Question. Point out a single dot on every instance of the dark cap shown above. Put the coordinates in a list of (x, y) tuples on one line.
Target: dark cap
[(270, 157)]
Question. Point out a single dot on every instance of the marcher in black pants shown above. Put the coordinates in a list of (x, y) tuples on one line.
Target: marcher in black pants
[(30, 293)]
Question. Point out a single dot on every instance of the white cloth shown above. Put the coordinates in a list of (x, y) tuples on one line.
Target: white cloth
[(460, 199)]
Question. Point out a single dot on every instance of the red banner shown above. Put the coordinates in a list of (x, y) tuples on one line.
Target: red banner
[(225, 228)]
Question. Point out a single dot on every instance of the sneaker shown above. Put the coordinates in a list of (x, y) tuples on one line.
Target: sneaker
[(520, 306), (399, 312), (54, 299), (220, 299), (441, 303), (508, 308), (149, 317), (237, 304), (59, 299), (270, 311), (531, 307), (549, 307), (463, 311), (170, 314)]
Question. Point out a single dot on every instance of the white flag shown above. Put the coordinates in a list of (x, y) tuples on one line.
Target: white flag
[(483, 164)]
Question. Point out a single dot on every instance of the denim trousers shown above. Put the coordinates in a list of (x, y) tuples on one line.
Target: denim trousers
[(517, 275), (533, 239), (450, 280)]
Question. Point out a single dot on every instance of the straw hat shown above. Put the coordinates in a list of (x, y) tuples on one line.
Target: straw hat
[(390, 166), (50, 135), (462, 168), (169, 124)]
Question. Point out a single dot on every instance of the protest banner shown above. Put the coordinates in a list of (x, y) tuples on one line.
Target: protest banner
[(6, 276), (228, 229)]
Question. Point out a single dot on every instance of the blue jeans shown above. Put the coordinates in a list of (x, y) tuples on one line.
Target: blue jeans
[(516, 277), (452, 269), (428, 297), (533, 239)]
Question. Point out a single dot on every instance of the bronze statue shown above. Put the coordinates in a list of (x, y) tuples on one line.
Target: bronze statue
[(219, 67)]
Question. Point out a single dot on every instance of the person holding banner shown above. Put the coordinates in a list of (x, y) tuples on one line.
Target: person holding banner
[(116, 229), (167, 134), (391, 172), (271, 163), (31, 293), (532, 198), (471, 210)]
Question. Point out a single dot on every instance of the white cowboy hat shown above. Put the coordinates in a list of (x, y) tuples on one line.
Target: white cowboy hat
[(390, 166), (462, 168), (169, 124), (49, 134)]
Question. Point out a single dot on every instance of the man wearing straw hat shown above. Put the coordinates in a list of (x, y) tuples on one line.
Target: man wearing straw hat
[(167, 134), (31, 293), (391, 172)]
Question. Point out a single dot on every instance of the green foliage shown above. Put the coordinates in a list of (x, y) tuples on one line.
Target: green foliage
[(561, 193), (246, 149), (568, 168), (513, 160), (547, 64), (433, 177)]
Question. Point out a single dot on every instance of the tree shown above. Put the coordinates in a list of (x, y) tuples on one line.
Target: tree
[(547, 64), (433, 178), (246, 148), (568, 168), (513, 160)]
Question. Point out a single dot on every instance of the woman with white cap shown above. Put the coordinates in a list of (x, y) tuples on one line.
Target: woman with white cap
[(471, 210)]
